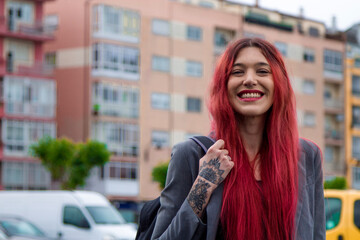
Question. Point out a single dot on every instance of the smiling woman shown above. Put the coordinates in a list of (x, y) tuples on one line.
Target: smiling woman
[(258, 173), (251, 85)]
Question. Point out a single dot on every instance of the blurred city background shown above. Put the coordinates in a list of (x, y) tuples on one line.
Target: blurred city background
[(133, 74)]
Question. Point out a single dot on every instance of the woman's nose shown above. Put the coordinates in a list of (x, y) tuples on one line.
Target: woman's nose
[(250, 79)]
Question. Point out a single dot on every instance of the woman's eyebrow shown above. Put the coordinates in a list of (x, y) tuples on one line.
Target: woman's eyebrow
[(259, 64)]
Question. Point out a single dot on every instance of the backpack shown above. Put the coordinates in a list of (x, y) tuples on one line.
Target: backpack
[(148, 213)]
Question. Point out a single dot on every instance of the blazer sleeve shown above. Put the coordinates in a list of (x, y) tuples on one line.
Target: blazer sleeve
[(319, 209), (176, 219)]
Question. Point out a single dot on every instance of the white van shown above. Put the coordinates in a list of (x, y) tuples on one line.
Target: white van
[(68, 215)]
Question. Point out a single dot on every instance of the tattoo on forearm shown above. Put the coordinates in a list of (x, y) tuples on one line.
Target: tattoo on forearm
[(211, 171), (197, 196)]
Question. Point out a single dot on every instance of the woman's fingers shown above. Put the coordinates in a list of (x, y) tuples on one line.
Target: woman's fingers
[(216, 164)]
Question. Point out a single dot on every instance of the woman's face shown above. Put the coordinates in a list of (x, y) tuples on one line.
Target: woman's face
[(251, 85)]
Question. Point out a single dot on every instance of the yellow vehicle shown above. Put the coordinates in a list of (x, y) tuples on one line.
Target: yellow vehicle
[(342, 209)]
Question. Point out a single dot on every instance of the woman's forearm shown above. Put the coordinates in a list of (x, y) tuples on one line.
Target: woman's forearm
[(200, 194)]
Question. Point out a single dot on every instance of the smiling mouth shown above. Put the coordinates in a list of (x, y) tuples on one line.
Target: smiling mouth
[(245, 95)]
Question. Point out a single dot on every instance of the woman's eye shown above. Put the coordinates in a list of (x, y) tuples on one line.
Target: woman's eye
[(263, 71), (237, 72)]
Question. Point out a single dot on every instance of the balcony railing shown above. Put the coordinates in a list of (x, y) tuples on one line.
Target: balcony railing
[(36, 69), (333, 103), (334, 134), (34, 31)]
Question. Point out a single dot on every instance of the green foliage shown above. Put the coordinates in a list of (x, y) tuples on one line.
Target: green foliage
[(336, 183), (159, 173), (69, 163)]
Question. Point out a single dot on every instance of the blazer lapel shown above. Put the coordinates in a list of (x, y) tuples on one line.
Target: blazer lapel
[(213, 211), (301, 188)]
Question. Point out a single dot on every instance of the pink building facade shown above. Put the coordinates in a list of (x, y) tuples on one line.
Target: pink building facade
[(28, 94)]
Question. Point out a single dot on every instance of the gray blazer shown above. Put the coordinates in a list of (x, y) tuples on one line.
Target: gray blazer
[(177, 220)]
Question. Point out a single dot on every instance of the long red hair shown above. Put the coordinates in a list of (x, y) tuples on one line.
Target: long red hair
[(250, 211)]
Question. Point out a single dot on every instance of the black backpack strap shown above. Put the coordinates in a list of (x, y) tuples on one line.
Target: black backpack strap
[(204, 142)]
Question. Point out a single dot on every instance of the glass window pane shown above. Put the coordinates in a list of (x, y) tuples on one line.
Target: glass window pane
[(193, 104), (356, 147), (194, 33), (160, 101), (160, 27), (160, 139), (332, 212)]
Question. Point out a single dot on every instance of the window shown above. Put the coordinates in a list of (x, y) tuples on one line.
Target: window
[(313, 31), (356, 147), (160, 139), (161, 64), (116, 23), (356, 116), (50, 59), (309, 55), (194, 33), (19, 135), (308, 87), (357, 213), (193, 69), (19, 12), (117, 59), (356, 180), (223, 37), (105, 215), (282, 47), (329, 154), (333, 61), (122, 170), (116, 100), (130, 23), (160, 101), (309, 119), (51, 22), (206, 4), (332, 212), (355, 85), (160, 27), (357, 62), (31, 98), (23, 175), (193, 104), (72, 215), (121, 139)]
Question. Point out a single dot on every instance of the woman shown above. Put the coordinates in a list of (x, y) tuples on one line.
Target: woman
[(258, 181)]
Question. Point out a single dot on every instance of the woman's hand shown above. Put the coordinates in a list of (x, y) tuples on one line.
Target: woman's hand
[(214, 167), (216, 163)]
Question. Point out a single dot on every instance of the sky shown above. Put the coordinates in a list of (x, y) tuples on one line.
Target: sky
[(347, 12)]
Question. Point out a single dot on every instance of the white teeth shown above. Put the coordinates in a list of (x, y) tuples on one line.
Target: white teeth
[(250, 95)]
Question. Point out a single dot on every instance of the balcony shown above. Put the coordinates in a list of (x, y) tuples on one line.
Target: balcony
[(333, 106), (37, 69), (34, 32), (334, 137), (261, 19)]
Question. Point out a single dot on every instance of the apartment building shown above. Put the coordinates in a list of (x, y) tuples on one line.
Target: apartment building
[(352, 109), (27, 94), (134, 75)]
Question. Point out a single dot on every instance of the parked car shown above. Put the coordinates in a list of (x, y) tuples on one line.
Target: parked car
[(15, 228), (68, 215), (342, 209)]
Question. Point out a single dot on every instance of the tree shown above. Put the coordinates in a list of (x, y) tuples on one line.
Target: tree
[(68, 163), (159, 173), (336, 183)]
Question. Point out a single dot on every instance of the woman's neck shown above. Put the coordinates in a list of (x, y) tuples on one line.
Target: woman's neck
[(251, 132)]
